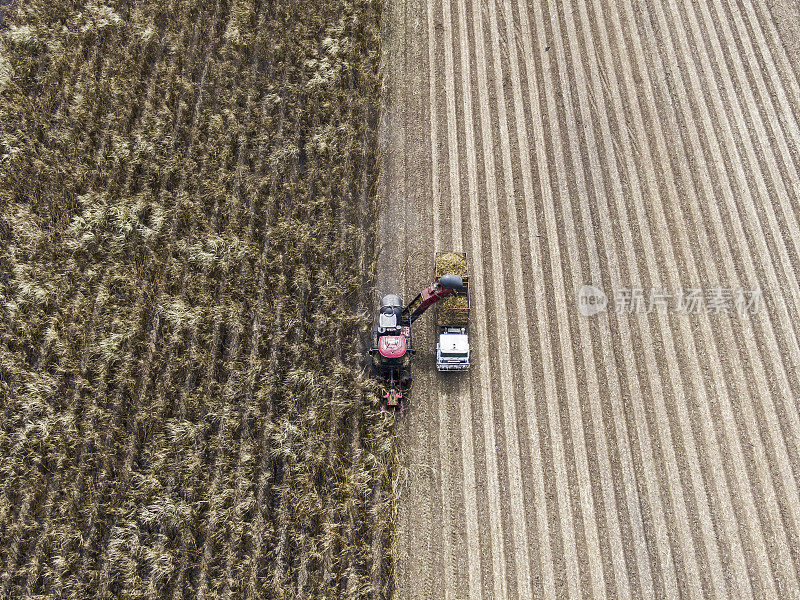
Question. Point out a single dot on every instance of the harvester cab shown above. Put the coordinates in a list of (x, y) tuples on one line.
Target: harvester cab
[(389, 314)]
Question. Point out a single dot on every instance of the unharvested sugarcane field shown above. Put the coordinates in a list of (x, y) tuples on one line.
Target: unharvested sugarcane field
[(187, 217)]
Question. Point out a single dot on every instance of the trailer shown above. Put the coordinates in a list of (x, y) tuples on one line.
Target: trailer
[(452, 315)]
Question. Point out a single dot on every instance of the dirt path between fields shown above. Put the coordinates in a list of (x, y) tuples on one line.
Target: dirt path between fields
[(649, 149)]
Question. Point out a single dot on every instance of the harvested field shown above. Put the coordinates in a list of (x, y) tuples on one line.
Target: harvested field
[(627, 144), (187, 209)]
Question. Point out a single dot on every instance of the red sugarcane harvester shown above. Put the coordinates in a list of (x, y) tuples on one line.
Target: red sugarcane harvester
[(392, 341)]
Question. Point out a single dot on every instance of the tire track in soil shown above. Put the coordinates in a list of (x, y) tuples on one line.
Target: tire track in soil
[(588, 143), (461, 393), (452, 238), (397, 274)]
